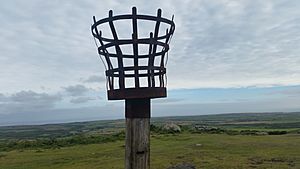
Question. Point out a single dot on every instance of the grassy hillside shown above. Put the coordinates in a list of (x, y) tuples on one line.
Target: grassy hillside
[(227, 141), (209, 151)]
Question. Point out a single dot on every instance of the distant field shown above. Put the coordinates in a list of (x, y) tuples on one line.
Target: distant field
[(226, 141), (217, 151), (266, 121)]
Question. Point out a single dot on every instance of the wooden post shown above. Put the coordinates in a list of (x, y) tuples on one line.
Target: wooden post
[(137, 149)]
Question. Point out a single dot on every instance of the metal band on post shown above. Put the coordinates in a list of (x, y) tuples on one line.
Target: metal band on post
[(137, 108)]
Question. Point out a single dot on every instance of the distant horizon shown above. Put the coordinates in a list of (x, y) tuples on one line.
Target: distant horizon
[(82, 121)]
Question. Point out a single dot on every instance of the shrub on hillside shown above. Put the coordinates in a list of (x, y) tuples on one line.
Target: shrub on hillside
[(169, 128), (208, 129), (277, 132)]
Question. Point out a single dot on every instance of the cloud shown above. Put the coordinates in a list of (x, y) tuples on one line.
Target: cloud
[(167, 100), (94, 79), (3, 98), (76, 90), (27, 101), (79, 100), (216, 43), (78, 94), (235, 44), (30, 96), (289, 92)]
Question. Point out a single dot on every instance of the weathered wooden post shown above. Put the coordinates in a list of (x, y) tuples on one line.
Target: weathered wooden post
[(135, 76)]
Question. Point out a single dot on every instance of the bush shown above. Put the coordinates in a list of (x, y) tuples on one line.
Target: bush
[(249, 132), (171, 128), (208, 129), (277, 132), (155, 129)]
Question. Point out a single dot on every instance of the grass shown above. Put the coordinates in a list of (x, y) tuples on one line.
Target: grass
[(217, 151)]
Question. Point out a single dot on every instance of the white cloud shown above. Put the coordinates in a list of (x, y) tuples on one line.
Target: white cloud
[(94, 79), (76, 90), (216, 43), (236, 45), (22, 102), (27, 101), (82, 99)]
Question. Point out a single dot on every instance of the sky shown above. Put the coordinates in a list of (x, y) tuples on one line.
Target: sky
[(226, 56)]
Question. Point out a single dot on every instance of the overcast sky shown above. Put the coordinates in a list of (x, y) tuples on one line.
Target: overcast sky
[(226, 56)]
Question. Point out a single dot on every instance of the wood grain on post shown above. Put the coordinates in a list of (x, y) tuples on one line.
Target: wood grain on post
[(137, 152)]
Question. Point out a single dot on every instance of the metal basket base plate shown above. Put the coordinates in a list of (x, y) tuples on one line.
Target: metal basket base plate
[(137, 93)]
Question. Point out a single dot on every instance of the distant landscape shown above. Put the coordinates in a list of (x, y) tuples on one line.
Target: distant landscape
[(224, 141)]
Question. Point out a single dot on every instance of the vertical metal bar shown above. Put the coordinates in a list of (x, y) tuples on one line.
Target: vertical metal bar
[(135, 48), (151, 57), (109, 65), (149, 54), (118, 51), (162, 62)]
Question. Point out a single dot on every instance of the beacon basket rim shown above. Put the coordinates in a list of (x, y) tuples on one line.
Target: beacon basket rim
[(157, 45)]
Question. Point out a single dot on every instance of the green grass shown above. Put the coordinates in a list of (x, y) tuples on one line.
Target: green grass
[(217, 151)]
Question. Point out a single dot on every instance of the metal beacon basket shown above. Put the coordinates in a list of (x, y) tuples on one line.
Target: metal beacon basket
[(135, 66)]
